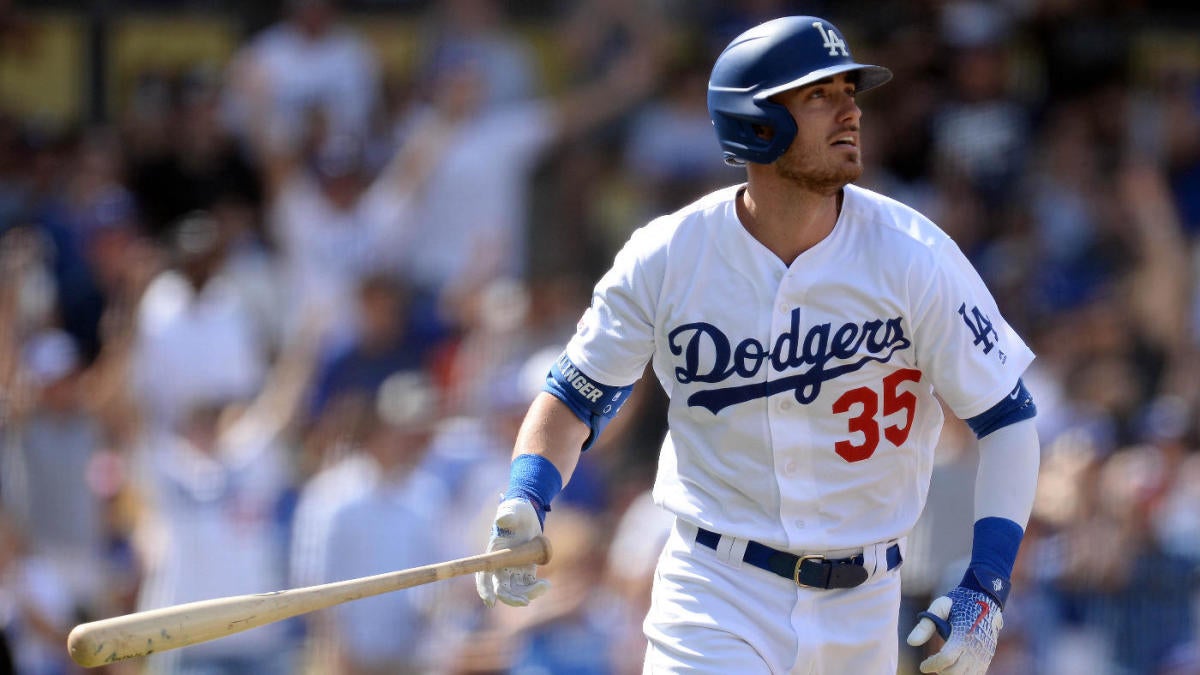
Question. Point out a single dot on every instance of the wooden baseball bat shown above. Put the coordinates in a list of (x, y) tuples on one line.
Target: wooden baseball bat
[(156, 630)]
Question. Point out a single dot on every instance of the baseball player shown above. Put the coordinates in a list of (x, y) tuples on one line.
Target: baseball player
[(801, 326)]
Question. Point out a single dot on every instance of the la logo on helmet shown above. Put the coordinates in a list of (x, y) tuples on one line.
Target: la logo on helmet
[(831, 40)]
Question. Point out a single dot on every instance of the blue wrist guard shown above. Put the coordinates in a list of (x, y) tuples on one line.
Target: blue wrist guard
[(993, 553), (534, 478)]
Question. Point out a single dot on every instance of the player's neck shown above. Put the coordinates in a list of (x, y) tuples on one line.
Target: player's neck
[(787, 221)]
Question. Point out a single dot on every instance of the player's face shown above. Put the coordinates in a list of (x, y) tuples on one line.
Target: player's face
[(825, 154)]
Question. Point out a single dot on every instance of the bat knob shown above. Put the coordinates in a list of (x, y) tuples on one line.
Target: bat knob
[(547, 551), (84, 647)]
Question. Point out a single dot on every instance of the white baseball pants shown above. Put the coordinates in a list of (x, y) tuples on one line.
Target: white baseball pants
[(712, 613)]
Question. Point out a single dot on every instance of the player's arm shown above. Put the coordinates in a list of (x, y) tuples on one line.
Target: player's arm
[(1009, 455), (565, 419), (971, 615), (546, 452), (586, 386)]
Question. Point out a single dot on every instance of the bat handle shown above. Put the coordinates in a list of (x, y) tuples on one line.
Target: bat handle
[(536, 551)]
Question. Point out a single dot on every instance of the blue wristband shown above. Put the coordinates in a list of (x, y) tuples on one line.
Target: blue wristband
[(993, 554), (536, 479)]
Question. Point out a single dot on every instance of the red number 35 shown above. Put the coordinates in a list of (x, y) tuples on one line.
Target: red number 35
[(865, 423)]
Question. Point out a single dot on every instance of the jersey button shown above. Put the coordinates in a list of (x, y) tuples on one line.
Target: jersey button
[(789, 469), (783, 308), (786, 404)]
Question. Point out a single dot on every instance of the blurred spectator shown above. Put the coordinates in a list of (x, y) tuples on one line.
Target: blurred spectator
[(472, 219), (217, 486), (496, 339), (199, 165), (13, 184), (339, 472), (638, 538), (195, 337), (396, 333), (307, 61), (36, 610), (478, 31), (395, 523), (336, 218), (981, 129), (1066, 192), (48, 459), (671, 146), (27, 303), (58, 417), (90, 223), (1110, 571)]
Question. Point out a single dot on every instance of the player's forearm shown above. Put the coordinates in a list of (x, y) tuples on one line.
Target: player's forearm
[(551, 430), (1004, 492), (1008, 470), (545, 454)]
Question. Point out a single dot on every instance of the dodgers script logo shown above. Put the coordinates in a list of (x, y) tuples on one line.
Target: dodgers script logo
[(828, 352)]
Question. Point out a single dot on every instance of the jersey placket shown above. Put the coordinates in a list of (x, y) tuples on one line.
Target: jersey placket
[(788, 422)]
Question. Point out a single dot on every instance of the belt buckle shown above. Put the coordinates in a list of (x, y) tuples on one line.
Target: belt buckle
[(799, 562)]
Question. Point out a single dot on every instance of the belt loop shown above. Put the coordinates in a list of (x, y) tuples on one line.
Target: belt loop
[(875, 557), (686, 531), (731, 549), (872, 557)]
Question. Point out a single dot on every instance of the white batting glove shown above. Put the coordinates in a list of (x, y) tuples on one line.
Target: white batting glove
[(516, 523), (970, 622)]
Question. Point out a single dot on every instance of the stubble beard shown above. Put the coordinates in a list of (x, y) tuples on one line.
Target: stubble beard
[(826, 178)]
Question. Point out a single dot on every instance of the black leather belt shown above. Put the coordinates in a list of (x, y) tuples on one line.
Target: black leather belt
[(813, 571)]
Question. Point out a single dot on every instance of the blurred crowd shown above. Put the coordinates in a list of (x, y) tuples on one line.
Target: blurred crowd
[(276, 323)]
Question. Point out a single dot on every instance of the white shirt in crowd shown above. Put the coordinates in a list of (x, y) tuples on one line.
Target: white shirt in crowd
[(474, 209), (337, 72), (327, 251), (394, 526), (193, 347), (320, 499), (217, 531)]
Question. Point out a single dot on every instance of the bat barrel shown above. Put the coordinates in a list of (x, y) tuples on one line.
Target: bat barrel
[(143, 633)]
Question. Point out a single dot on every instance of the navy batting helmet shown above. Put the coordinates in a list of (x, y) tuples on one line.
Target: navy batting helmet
[(770, 58)]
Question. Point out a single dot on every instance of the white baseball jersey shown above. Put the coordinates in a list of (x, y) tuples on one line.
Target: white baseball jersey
[(802, 409)]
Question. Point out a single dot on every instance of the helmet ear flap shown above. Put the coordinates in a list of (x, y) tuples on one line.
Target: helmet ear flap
[(741, 133)]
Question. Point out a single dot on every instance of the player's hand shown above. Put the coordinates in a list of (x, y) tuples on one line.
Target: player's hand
[(516, 523), (970, 622)]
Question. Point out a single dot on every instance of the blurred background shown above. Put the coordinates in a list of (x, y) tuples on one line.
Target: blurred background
[(278, 279)]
